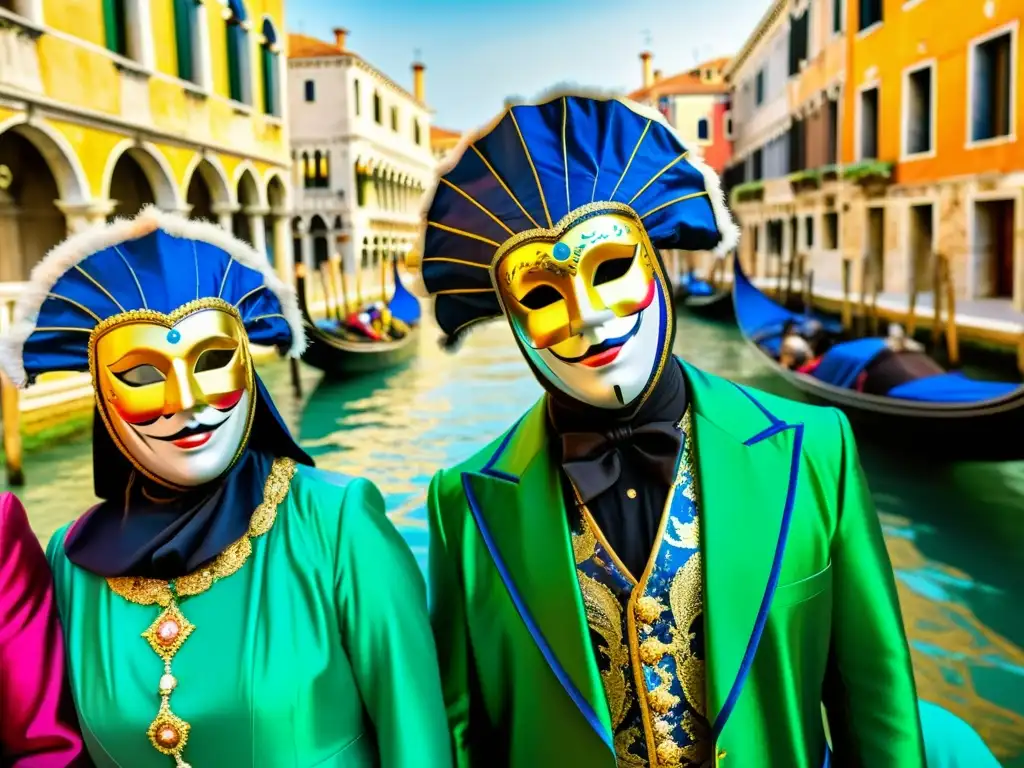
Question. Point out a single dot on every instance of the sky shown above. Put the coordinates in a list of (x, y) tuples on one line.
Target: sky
[(479, 52)]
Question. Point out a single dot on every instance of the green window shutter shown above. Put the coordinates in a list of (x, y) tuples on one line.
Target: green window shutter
[(235, 39), (269, 62), (184, 23), (114, 26)]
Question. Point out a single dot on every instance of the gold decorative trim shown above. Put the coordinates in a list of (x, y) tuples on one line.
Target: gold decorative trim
[(657, 176), (529, 159), (168, 733), (631, 158), (463, 233), (504, 186), (168, 320)]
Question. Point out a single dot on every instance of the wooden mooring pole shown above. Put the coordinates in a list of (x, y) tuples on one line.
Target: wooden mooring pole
[(10, 412), (952, 336), (847, 306)]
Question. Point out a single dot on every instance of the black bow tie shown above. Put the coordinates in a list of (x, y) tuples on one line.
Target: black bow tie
[(593, 460)]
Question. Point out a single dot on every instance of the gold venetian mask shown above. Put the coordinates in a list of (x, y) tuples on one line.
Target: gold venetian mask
[(176, 392), (589, 303), (551, 289)]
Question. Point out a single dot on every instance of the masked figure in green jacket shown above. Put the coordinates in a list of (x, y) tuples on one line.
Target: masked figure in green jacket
[(226, 604), (653, 566)]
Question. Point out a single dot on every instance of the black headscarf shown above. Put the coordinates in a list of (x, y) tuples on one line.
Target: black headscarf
[(141, 528)]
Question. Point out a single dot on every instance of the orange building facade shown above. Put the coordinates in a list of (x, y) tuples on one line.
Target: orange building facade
[(931, 146)]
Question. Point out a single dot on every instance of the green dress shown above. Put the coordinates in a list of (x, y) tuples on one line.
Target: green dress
[(316, 651)]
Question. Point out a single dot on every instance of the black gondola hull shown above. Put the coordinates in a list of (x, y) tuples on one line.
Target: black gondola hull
[(718, 306), (338, 357), (990, 430)]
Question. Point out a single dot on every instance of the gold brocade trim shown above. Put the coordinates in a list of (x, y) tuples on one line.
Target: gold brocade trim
[(168, 320), (168, 733)]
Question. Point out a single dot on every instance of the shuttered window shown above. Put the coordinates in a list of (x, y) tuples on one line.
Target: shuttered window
[(115, 26), (184, 32)]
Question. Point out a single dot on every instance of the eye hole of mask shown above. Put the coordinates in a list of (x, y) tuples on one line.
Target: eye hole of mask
[(612, 269), (213, 359), (141, 375), (540, 297)]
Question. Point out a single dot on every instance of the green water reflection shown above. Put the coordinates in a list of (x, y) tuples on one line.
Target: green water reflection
[(955, 533)]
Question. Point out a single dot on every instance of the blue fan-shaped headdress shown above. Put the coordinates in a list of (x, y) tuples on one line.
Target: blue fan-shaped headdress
[(157, 262), (537, 164)]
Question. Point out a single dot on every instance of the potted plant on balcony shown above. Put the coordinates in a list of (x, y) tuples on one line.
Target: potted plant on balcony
[(830, 172), (872, 175), (748, 192), (806, 180)]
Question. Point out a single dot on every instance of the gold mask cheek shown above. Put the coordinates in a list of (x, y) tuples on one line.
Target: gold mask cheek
[(633, 292), (223, 388), (540, 328), (132, 404)]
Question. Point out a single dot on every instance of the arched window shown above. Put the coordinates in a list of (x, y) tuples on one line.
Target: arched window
[(239, 80), (377, 109), (417, 133), (186, 32), (361, 182), (308, 170), (269, 65), (356, 97), (323, 170), (703, 134)]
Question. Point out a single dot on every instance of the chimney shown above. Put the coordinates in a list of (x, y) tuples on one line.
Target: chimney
[(657, 75), (645, 59), (339, 37), (418, 89)]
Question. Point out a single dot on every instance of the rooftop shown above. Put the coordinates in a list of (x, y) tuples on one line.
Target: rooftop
[(306, 47), (687, 83)]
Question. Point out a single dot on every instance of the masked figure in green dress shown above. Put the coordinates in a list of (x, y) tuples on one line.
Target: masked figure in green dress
[(226, 603), (653, 566)]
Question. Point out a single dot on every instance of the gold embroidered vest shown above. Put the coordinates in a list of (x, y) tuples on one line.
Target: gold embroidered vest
[(648, 636)]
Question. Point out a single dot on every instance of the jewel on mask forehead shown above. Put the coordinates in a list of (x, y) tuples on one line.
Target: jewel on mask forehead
[(561, 252), (173, 336)]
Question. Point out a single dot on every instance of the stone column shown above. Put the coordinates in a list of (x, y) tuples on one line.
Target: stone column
[(285, 259), (201, 45), (224, 212), (140, 25), (257, 229), (82, 216)]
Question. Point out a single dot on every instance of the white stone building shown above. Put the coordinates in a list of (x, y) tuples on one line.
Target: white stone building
[(361, 156)]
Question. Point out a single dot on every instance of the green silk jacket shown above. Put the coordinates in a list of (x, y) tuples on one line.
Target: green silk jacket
[(800, 612), (316, 652)]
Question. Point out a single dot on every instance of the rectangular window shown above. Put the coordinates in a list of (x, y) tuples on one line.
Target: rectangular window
[(797, 146), (378, 110), (268, 61), (759, 89), (809, 231), (310, 87), (918, 111), (757, 166), (990, 86), (832, 156), (799, 34), (838, 11), (727, 125), (394, 118), (870, 13), (869, 124), (116, 26), (356, 99), (703, 132), (831, 231)]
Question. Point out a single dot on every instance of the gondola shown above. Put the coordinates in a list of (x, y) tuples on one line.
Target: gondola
[(339, 351), (701, 298), (940, 412)]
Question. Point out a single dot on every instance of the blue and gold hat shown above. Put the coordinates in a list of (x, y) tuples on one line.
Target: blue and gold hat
[(538, 168), (154, 266)]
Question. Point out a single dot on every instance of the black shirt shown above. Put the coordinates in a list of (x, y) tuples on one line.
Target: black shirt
[(629, 512)]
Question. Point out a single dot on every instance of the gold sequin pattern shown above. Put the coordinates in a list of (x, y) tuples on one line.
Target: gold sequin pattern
[(169, 733)]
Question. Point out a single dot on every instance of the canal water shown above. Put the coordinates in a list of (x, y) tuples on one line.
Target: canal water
[(955, 533)]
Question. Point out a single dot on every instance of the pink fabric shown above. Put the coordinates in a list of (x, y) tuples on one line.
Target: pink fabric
[(810, 366), (38, 726)]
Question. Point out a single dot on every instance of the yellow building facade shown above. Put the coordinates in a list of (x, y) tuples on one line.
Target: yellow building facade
[(932, 145), (109, 105)]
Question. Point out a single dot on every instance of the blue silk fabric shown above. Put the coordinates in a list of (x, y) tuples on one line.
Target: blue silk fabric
[(156, 271), (537, 164), (649, 636)]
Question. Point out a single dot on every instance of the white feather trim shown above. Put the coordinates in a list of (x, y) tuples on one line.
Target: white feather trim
[(81, 246), (723, 219)]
